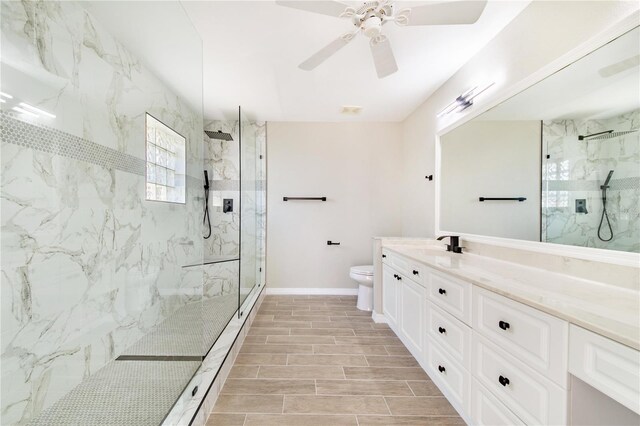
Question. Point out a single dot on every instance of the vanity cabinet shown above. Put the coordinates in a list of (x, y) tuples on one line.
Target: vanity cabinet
[(496, 360)]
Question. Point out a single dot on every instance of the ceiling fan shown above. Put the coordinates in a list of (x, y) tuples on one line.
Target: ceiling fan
[(369, 18)]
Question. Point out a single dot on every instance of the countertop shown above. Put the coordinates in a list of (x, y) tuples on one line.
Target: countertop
[(605, 309)]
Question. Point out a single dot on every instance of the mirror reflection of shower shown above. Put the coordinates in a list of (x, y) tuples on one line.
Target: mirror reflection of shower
[(607, 134), (605, 215)]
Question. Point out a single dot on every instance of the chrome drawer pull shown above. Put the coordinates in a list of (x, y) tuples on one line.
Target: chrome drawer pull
[(503, 325), (503, 380)]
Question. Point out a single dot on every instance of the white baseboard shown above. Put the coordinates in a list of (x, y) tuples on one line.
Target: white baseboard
[(378, 318), (312, 291)]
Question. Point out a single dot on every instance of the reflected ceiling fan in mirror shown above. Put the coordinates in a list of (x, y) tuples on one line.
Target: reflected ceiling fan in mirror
[(370, 17)]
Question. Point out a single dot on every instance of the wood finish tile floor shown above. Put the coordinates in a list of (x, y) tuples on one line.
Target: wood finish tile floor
[(318, 360)]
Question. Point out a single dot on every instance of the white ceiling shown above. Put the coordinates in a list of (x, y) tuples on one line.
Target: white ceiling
[(252, 50), (579, 90)]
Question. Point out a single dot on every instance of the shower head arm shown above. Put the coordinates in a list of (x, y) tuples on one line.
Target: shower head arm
[(583, 137)]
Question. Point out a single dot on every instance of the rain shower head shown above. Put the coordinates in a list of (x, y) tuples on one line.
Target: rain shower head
[(609, 134), (220, 135)]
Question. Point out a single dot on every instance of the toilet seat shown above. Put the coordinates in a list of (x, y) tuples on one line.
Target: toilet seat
[(365, 270)]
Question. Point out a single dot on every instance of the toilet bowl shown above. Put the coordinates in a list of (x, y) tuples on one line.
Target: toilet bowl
[(363, 275)]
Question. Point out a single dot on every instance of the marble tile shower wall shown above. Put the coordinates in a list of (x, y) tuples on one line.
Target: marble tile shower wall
[(575, 170), (221, 159), (88, 266)]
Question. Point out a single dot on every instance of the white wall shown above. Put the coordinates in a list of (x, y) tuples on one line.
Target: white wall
[(491, 159), (542, 33), (357, 166)]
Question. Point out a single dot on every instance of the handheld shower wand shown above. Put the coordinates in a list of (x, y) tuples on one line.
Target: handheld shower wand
[(605, 215), (206, 220)]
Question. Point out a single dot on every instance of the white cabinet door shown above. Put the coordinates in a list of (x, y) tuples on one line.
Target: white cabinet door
[(390, 296), (411, 314)]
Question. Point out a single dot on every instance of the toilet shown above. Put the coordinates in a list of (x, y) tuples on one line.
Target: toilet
[(363, 275)]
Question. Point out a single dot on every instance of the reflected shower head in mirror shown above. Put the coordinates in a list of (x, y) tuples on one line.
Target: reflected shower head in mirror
[(220, 135), (609, 134)]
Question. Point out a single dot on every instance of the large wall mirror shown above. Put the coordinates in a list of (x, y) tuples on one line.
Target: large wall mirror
[(558, 163)]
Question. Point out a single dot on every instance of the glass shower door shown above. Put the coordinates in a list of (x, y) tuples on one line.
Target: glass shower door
[(248, 203)]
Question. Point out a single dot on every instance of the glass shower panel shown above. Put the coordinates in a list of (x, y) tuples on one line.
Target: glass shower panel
[(261, 204), (101, 324), (248, 207)]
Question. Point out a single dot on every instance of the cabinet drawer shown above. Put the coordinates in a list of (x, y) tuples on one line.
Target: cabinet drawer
[(610, 367), (486, 410), (536, 338), (452, 295), (531, 396), (410, 269), (453, 335), (450, 375)]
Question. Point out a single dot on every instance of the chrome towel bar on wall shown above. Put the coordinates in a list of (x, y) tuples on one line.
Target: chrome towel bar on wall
[(305, 198), (503, 199)]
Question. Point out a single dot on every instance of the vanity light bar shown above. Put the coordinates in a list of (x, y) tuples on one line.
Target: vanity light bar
[(464, 101), (35, 110)]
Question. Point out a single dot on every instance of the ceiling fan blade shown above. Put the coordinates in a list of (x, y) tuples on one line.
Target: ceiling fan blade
[(383, 57), (449, 13), (331, 8), (323, 54)]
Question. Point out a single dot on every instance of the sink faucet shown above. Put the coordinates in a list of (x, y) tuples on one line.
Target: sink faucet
[(455, 243)]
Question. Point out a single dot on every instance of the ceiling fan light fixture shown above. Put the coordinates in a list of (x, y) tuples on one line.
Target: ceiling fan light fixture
[(372, 26)]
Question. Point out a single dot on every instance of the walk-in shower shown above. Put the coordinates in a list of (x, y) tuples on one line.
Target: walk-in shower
[(110, 309)]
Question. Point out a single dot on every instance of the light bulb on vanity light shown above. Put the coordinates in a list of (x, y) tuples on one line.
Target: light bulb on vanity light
[(465, 100)]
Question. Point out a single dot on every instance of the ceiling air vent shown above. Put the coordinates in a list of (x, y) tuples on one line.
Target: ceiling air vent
[(351, 110)]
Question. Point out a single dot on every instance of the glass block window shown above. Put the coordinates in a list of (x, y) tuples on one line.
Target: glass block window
[(166, 162)]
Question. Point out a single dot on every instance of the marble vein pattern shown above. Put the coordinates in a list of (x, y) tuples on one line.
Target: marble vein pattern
[(576, 169), (88, 267)]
